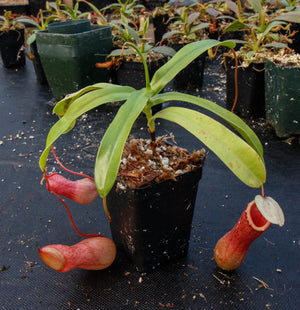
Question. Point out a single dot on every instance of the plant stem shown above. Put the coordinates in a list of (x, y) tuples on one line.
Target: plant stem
[(144, 63)]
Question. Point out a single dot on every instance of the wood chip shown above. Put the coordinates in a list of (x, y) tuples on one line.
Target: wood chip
[(262, 284)]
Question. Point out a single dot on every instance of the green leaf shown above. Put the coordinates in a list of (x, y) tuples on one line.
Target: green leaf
[(233, 7), (31, 39), (236, 25), (134, 35), (165, 50), (182, 58), (169, 34), (77, 107), (192, 17), (291, 17), (112, 144), (268, 29), (200, 27), (256, 5), (276, 45), (237, 123), (191, 36), (27, 20), (62, 106), (124, 52), (235, 153)]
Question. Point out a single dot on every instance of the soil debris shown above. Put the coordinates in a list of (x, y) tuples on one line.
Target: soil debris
[(144, 161), (262, 284)]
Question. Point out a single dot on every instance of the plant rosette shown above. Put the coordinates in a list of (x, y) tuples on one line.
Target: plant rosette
[(242, 154)]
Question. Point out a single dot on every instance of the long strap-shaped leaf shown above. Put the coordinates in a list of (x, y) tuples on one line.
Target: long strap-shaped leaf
[(79, 106), (237, 155), (181, 59), (232, 119), (112, 144), (62, 106)]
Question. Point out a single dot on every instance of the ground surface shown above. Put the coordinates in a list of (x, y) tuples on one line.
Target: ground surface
[(30, 218)]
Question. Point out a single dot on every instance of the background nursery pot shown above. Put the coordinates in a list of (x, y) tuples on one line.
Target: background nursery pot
[(251, 90), (131, 73), (69, 59), (191, 77), (152, 224), (283, 98), (38, 67), (12, 41), (12, 48)]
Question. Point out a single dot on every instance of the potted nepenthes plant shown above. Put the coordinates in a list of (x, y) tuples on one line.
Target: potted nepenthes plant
[(38, 23), (12, 41), (149, 186), (125, 61), (185, 27), (263, 38)]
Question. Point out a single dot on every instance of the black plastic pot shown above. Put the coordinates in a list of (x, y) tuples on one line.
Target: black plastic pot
[(191, 77), (160, 26), (152, 4), (152, 224), (233, 35), (251, 89), (37, 64), (295, 45), (69, 59), (283, 99), (131, 73), (12, 48)]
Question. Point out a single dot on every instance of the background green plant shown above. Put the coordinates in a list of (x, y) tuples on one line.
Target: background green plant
[(7, 22)]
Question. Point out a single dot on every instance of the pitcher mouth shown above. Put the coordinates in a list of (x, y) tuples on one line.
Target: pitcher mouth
[(257, 221)]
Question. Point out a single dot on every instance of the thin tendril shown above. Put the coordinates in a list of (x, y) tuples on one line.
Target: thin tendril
[(61, 200), (235, 80), (72, 222), (262, 190), (105, 209), (68, 170)]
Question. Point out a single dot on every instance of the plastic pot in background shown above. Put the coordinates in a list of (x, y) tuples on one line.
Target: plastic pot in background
[(152, 4), (152, 224), (70, 26), (283, 99), (251, 89), (295, 45), (37, 64), (160, 26), (12, 44), (131, 73), (191, 77), (69, 59)]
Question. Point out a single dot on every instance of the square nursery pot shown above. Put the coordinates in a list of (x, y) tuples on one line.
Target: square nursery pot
[(12, 45), (251, 89), (152, 4), (69, 59), (132, 73), (160, 26), (283, 99), (295, 44), (152, 224), (191, 77), (37, 64)]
